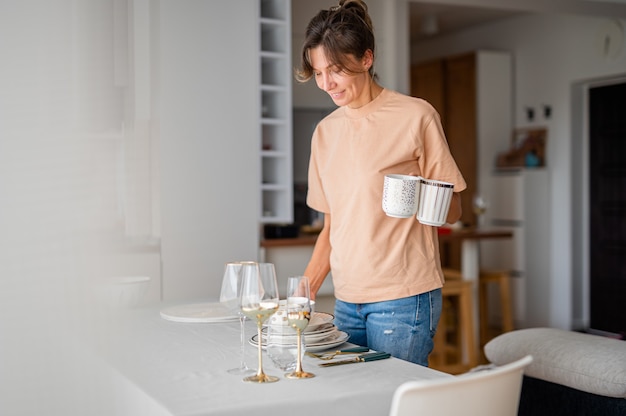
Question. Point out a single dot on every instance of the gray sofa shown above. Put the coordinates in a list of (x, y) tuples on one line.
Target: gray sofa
[(572, 373)]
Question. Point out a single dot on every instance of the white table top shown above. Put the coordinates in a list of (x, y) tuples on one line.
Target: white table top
[(182, 367)]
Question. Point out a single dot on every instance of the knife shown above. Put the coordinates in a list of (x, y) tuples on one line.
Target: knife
[(372, 356), (331, 355)]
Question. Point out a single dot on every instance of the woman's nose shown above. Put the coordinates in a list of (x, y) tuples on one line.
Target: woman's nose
[(326, 82)]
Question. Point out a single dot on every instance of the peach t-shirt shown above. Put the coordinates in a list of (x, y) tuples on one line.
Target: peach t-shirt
[(375, 257)]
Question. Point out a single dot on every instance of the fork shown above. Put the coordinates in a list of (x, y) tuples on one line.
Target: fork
[(331, 355)]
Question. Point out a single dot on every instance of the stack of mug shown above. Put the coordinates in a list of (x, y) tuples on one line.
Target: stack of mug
[(405, 196)]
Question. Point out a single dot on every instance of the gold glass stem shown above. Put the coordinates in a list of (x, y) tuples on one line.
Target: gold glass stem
[(259, 372), (260, 376), (298, 372), (299, 359)]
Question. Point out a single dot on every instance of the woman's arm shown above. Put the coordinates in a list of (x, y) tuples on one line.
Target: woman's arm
[(319, 265), (454, 214)]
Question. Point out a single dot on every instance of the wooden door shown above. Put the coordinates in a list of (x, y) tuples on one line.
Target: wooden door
[(427, 82), (460, 124), (607, 208)]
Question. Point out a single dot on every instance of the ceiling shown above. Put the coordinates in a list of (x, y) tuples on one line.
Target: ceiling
[(449, 18)]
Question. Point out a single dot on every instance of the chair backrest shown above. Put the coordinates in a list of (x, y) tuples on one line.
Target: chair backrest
[(491, 392)]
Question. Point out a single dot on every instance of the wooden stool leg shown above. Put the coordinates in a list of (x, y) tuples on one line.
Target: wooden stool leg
[(466, 324), (459, 355), (502, 279), (438, 355), (507, 307), (483, 310)]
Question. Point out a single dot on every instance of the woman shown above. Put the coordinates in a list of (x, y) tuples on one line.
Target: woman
[(386, 271)]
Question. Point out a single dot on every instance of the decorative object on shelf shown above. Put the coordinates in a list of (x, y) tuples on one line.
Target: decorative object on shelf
[(610, 39), (528, 149)]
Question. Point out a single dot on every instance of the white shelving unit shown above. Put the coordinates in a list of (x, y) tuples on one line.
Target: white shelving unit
[(276, 113)]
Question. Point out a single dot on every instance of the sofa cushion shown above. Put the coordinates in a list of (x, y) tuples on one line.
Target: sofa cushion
[(581, 361)]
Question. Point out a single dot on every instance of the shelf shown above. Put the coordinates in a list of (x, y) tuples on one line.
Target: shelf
[(273, 153), (275, 118), (275, 9), (276, 202), (273, 38), (273, 72), (273, 169)]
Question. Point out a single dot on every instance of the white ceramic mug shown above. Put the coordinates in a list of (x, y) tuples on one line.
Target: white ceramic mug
[(400, 193), (434, 201)]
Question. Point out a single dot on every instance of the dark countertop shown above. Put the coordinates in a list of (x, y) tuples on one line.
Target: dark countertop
[(466, 233), (301, 240)]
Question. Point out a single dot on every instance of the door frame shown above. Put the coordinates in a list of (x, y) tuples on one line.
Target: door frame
[(580, 196)]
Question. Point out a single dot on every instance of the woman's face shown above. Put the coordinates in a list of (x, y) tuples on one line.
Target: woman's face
[(344, 88)]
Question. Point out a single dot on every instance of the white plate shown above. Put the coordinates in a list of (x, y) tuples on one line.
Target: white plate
[(335, 339), (319, 328), (199, 312), (319, 318), (309, 337)]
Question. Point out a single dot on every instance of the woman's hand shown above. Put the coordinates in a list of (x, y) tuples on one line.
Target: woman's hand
[(454, 214)]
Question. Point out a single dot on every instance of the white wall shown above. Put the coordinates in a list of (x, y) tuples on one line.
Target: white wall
[(551, 54), (206, 111), (62, 106)]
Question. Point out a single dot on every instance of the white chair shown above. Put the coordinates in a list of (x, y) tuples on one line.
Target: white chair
[(490, 392)]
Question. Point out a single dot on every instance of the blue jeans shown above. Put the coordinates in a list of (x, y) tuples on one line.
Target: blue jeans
[(402, 327)]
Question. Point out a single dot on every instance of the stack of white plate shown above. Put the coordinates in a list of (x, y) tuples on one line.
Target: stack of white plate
[(319, 335)]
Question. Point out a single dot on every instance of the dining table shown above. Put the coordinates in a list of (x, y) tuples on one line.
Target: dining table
[(170, 368)]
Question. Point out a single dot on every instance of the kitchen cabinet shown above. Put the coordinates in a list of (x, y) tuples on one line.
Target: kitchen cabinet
[(275, 147)]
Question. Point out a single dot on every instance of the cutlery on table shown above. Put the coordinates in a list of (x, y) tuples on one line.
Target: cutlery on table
[(372, 356), (331, 355)]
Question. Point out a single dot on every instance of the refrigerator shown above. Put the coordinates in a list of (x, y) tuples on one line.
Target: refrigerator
[(519, 200)]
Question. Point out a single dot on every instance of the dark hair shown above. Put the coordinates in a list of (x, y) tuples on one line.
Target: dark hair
[(342, 30)]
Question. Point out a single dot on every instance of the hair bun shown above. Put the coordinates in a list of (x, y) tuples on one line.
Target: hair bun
[(359, 8), (353, 4)]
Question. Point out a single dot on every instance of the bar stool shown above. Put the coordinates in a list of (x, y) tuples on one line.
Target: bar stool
[(460, 355), (486, 278), (502, 279)]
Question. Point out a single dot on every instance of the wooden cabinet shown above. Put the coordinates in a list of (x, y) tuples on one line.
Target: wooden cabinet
[(275, 146), (427, 81), (460, 124), (473, 94)]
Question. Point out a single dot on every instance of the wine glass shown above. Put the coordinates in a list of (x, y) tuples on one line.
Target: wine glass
[(298, 316), (229, 297), (258, 301)]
